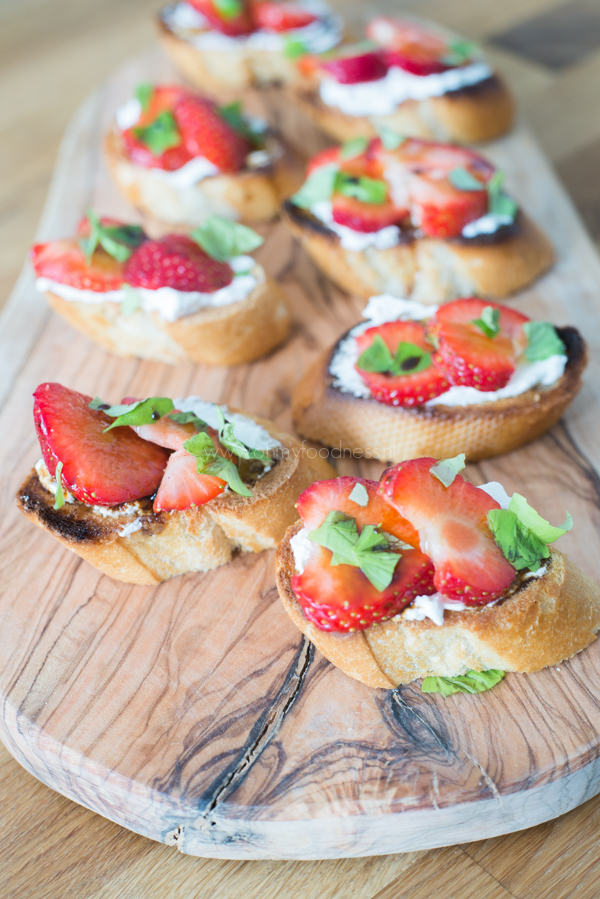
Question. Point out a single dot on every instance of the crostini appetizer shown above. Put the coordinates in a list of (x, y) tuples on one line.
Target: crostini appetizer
[(470, 376), (415, 218), (153, 488), (424, 575), (179, 158), (410, 76), (224, 46), (197, 297)]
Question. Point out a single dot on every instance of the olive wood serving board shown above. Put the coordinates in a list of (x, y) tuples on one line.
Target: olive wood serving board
[(194, 712)]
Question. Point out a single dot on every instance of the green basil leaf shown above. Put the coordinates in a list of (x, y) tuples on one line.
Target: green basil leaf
[(293, 48), (59, 499), (409, 359), (377, 357), (184, 418), (160, 135), (471, 682), (447, 469), (318, 186), (359, 495), (367, 190), (369, 551), (119, 241), (132, 301), (390, 139), (228, 439), (228, 9), (233, 115), (395, 542), (339, 534), (499, 203), (144, 93), (459, 51), (223, 239), (203, 449), (354, 147), (543, 341), (462, 179), (516, 541), (143, 412), (224, 468), (542, 529), (378, 567), (489, 322)]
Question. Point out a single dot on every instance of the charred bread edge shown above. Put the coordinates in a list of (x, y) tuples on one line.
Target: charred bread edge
[(517, 634)]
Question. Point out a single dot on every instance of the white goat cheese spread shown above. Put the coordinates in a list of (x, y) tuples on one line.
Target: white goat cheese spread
[(246, 429), (386, 308)]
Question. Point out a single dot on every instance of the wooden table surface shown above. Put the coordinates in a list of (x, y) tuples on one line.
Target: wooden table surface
[(53, 52)]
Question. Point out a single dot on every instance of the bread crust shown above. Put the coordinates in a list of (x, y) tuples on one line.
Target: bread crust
[(220, 335), (547, 620), (323, 413), (198, 539), (473, 114), (426, 269), (224, 73), (251, 196)]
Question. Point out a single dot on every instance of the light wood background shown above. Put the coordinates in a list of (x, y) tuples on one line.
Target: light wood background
[(53, 53)]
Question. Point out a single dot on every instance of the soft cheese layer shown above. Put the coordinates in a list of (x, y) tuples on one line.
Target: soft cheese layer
[(386, 308), (169, 303)]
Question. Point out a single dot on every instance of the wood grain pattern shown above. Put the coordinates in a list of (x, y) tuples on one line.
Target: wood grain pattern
[(211, 725)]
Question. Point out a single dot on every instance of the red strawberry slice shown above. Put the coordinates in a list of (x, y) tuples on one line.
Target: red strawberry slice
[(350, 67), (466, 355), (273, 16), (440, 209), (340, 597), (176, 261), (236, 21), (330, 156), (165, 432), (163, 99), (408, 389), (365, 217), (206, 134), (408, 46), (64, 261), (182, 486), (453, 530), (102, 469)]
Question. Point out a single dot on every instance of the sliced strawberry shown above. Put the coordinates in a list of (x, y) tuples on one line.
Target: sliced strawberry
[(408, 45), (163, 99), (232, 18), (466, 355), (99, 468), (182, 486), (176, 261), (64, 261), (365, 217), (406, 389), (348, 66), (272, 16), (453, 530), (330, 156), (341, 598), (440, 209), (206, 134), (165, 432)]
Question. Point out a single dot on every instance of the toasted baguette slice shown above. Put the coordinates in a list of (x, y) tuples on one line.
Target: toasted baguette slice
[(545, 621), (480, 112), (251, 196), (218, 335), (168, 544), (323, 413), (426, 269), (223, 73)]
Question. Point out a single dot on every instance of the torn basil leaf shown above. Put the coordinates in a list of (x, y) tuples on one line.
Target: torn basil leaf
[(119, 241), (407, 360), (208, 461), (462, 179), (390, 139), (184, 418), (228, 9), (368, 551), (359, 495), (447, 469), (59, 498), (499, 203), (471, 682), (489, 322), (162, 134), (142, 412), (366, 190), (542, 529), (223, 239), (318, 186), (459, 52), (354, 147), (144, 93), (543, 341), (132, 301), (518, 543), (233, 115), (293, 48)]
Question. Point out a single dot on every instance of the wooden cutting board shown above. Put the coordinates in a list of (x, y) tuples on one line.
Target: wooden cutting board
[(195, 713)]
